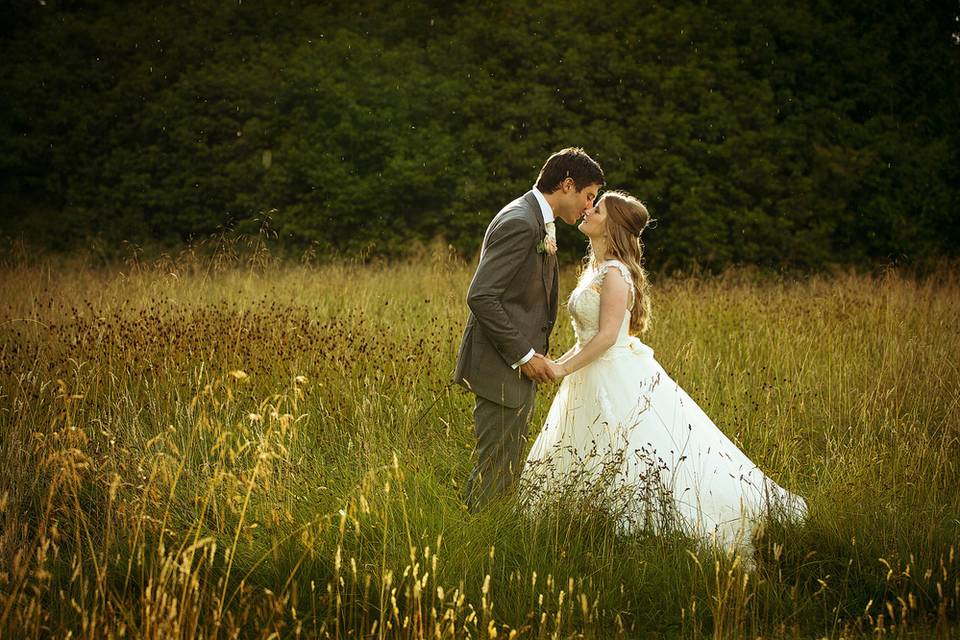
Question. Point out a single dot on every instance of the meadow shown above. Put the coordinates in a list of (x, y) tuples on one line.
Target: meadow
[(229, 445)]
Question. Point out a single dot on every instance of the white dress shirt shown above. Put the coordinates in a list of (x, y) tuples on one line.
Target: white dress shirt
[(547, 211)]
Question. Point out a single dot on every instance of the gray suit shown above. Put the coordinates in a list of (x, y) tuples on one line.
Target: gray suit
[(513, 307)]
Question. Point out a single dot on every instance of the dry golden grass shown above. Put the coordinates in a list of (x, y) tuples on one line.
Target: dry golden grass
[(225, 446)]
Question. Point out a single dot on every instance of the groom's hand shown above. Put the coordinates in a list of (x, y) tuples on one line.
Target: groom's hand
[(537, 369)]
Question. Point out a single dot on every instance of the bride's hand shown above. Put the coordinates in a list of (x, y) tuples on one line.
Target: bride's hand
[(557, 370)]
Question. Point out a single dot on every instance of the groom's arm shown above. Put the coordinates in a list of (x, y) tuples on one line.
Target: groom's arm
[(507, 248)]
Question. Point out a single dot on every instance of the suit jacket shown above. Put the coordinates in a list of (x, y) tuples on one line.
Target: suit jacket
[(513, 305)]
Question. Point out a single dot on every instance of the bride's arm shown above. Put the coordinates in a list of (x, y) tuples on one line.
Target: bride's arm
[(613, 304), (566, 356)]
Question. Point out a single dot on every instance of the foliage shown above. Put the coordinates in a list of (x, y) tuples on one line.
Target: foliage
[(798, 134)]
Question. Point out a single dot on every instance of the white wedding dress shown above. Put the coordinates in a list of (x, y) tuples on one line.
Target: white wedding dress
[(622, 434)]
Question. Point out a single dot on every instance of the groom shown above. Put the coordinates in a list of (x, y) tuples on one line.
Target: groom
[(513, 305)]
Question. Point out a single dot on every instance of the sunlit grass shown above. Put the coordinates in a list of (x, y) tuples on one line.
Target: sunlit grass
[(221, 445)]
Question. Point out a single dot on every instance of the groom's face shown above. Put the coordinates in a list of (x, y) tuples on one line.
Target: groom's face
[(575, 203)]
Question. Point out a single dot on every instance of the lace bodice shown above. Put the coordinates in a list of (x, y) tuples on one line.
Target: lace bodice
[(584, 307)]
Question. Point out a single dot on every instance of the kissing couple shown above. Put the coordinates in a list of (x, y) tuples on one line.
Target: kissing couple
[(619, 429)]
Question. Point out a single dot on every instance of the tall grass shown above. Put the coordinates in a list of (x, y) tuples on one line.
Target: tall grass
[(221, 445)]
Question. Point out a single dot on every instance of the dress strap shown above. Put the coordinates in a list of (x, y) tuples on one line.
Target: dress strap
[(624, 271), (619, 266)]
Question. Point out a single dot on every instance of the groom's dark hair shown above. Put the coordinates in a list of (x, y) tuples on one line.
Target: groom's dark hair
[(572, 162)]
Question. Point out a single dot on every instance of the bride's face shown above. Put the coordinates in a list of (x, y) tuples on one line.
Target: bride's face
[(594, 221)]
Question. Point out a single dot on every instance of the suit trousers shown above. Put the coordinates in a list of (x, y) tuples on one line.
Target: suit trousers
[(501, 435)]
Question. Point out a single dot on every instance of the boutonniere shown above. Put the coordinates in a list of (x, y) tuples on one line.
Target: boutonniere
[(549, 243)]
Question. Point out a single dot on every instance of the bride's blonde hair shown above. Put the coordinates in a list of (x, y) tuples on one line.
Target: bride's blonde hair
[(627, 217)]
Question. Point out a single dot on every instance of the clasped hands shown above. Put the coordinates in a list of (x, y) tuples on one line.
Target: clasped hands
[(542, 369)]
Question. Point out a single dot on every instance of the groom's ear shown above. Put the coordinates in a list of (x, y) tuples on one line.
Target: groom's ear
[(568, 184)]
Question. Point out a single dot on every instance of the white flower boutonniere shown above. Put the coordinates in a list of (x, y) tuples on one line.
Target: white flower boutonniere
[(549, 243)]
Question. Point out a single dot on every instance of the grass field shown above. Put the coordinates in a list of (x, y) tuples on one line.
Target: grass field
[(225, 446)]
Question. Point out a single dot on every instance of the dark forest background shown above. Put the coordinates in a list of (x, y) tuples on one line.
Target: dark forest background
[(799, 134)]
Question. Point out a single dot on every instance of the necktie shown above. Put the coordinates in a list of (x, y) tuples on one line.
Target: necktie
[(552, 231)]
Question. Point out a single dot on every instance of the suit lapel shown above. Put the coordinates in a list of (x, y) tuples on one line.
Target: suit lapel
[(551, 277), (548, 263)]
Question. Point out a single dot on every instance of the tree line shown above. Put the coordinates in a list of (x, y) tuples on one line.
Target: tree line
[(801, 134)]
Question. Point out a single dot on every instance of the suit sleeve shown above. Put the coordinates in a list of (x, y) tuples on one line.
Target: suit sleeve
[(507, 247)]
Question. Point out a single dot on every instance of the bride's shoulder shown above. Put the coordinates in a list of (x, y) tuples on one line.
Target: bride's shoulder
[(607, 265)]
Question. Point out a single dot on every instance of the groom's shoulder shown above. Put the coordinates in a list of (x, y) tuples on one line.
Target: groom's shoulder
[(519, 209)]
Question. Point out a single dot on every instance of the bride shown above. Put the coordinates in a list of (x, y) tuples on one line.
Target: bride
[(620, 431)]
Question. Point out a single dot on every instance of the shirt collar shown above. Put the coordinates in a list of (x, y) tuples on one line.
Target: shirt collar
[(545, 207)]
